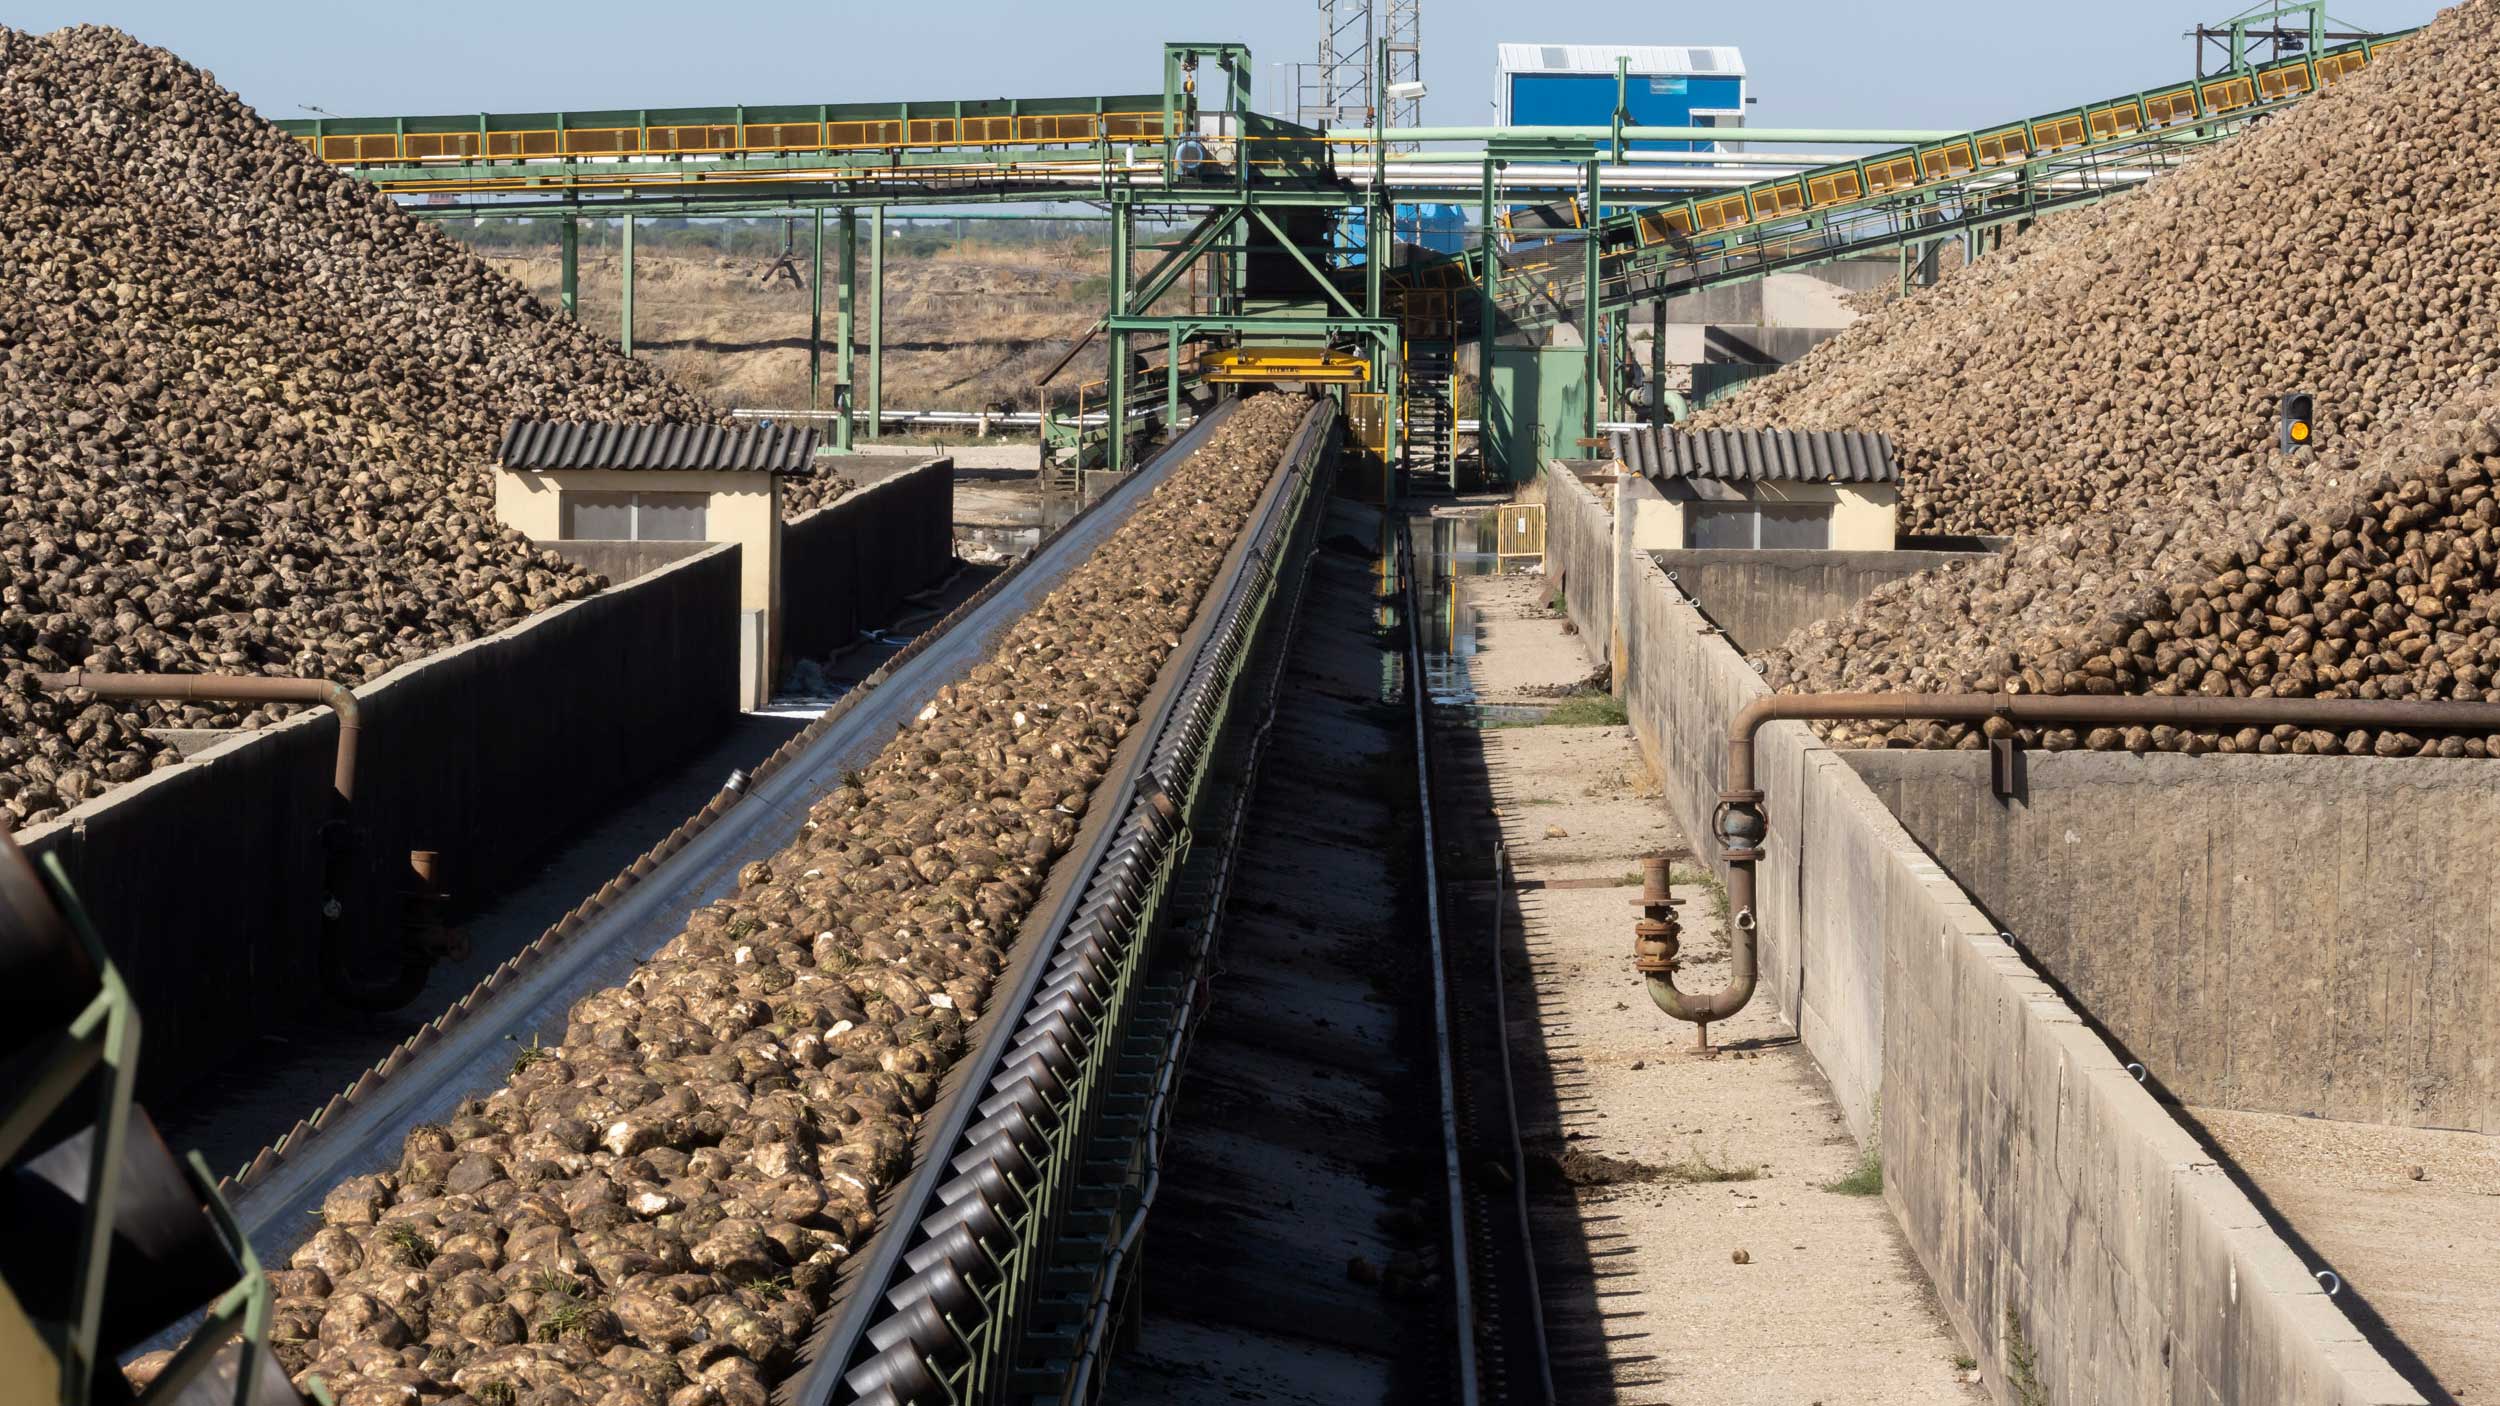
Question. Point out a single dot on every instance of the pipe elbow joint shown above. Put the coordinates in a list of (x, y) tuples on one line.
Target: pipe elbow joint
[(1697, 1009)]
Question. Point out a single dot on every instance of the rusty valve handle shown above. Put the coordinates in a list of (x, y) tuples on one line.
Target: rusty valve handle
[(1654, 943)]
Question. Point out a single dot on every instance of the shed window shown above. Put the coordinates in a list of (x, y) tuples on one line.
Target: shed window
[(636, 517), (1769, 526)]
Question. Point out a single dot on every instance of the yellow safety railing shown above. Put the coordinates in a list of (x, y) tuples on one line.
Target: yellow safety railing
[(732, 139)]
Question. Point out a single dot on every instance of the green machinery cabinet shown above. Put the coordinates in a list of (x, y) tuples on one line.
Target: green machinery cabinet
[(1536, 412)]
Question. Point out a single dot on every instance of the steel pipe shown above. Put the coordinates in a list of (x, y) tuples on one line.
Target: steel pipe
[(338, 834), (1873, 136), (226, 688), (1740, 825)]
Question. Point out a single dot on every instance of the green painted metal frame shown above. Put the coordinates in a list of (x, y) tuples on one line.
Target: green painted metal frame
[(569, 267), (2269, 15), (1709, 259), (845, 342), (1004, 1359), (105, 1035), (625, 308)]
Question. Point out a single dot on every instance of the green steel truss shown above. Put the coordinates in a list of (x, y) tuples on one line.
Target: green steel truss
[(1906, 197), (1238, 173)]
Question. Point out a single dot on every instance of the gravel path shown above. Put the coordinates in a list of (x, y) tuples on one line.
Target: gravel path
[(1654, 1167)]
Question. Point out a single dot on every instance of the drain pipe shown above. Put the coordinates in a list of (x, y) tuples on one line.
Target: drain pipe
[(1740, 825), (338, 835)]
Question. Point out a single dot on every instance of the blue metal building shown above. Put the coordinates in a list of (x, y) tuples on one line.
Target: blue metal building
[(1574, 85)]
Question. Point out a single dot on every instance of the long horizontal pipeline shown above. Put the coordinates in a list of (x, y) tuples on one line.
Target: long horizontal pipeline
[(1871, 136), (2195, 712), (1026, 418), (1611, 177), (1799, 159)]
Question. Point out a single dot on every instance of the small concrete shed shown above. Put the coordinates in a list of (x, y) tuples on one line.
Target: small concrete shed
[(564, 483), (1768, 489)]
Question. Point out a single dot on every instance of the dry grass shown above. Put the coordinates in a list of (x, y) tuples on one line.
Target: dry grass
[(964, 327)]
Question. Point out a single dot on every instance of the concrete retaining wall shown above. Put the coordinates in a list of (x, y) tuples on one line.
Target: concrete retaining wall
[(1581, 563), (1762, 597), (847, 566), (205, 878), (2074, 1232), (2231, 920)]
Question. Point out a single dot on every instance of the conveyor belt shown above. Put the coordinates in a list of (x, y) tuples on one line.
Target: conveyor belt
[(1002, 1173), (1908, 195), (471, 1050)]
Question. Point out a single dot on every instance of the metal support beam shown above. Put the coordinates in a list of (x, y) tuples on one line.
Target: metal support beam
[(1328, 285), (1488, 302), (816, 318), (1178, 259), (1792, 136), (571, 262), (1171, 387), (625, 315), (1589, 301), (1123, 236), (843, 342), (876, 320), (1658, 364)]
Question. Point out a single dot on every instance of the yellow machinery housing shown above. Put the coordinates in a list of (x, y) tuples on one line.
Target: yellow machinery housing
[(1323, 366)]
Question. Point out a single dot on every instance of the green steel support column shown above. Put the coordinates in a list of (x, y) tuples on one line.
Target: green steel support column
[(1171, 387), (625, 317), (1488, 294), (816, 318), (571, 296), (1377, 243), (1392, 408), (1589, 294), (876, 321), (1123, 234), (843, 346), (1658, 364)]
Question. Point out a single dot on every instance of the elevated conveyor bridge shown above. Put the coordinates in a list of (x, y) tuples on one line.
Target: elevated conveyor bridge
[(1973, 183), (1263, 192)]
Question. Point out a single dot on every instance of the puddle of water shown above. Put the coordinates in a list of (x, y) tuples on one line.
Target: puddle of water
[(1455, 547)]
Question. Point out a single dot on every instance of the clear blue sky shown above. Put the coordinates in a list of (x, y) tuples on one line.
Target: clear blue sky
[(1947, 63)]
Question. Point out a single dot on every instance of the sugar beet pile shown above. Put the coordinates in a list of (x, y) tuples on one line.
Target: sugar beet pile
[(2104, 390), (244, 409), (653, 1211)]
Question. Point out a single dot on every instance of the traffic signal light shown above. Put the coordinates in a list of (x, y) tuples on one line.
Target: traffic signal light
[(2297, 424)]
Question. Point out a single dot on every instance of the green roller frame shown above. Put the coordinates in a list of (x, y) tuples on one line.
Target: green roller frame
[(102, 1044), (1974, 183)]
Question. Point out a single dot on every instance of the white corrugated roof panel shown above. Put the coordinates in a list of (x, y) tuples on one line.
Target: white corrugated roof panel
[(1668, 60)]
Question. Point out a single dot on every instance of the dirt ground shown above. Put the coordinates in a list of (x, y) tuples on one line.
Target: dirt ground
[(964, 327), (2409, 1217), (1697, 1238)]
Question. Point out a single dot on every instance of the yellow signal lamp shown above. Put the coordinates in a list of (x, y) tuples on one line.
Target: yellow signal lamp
[(2296, 421)]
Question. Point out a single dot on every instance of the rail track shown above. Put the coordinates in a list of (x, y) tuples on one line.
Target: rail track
[(471, 1046), (1504, 1355)]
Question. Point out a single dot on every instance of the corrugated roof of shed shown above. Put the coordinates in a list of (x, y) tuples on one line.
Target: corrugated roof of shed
[(1648, 60), (1755, 456), (546, 445)]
